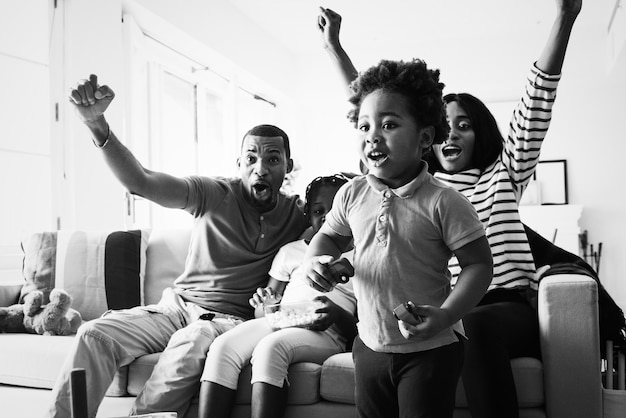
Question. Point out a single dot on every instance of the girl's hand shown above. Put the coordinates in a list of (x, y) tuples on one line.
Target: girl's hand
[(434, 320), (328, 313), (264, 295)]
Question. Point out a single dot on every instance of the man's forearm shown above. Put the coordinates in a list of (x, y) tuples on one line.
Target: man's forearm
[(100, 130)]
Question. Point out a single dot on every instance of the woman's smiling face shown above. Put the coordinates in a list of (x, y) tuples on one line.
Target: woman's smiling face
[(456, 153)]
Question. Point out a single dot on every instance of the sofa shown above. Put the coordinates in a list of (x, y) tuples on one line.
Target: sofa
[(565, 383)]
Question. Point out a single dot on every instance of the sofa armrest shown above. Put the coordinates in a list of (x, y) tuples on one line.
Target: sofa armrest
[(570, 346), (10, 292)]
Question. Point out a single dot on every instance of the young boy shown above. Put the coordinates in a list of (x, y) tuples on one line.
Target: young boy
[(405, 226)]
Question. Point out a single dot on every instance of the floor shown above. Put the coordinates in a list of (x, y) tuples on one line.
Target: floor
[(32, 403)]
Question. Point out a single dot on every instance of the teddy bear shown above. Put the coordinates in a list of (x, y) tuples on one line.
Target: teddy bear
[(54, 318)]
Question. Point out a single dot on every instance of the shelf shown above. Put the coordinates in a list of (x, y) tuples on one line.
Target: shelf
[(559, 224)]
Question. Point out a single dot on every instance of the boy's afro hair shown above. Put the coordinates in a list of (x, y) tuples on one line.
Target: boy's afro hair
[(413, 80)]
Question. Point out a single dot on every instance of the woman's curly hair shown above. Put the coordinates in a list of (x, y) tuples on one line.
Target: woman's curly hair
[(413, 80)]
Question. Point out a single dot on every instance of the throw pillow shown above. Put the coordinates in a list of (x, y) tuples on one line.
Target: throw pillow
[(100, 270)]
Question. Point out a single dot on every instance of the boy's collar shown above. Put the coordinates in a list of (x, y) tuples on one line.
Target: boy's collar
[(403, 191)]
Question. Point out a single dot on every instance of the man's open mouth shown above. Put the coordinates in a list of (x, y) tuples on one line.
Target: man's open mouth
[(261, 189)]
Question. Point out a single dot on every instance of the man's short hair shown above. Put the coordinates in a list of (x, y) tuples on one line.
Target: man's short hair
[(270, 131)]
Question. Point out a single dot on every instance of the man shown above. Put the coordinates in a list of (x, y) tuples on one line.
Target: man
[(239, 226)]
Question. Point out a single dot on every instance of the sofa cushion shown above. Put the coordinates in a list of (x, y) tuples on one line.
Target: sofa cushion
[(337, 381), (304, 380), (100, 270), (10, 291), (166, 254)]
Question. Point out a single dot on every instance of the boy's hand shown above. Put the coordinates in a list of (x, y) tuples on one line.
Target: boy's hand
[(434, 320), (328, 313), (90, 100), (341, 270), (318, 274), (329, 24), (264, 295)]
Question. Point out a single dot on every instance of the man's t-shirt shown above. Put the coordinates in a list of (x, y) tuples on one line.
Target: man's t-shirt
[(232, 244)]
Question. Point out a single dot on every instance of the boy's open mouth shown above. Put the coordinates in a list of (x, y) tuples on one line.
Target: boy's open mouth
[(451, 151), (377, 158)]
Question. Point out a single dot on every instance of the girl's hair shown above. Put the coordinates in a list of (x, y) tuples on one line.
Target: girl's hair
[(488, 142), (337, 180), (413, 80)]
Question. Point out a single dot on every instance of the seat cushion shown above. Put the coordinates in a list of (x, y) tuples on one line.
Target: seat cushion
[(304, 380), (337, 381)]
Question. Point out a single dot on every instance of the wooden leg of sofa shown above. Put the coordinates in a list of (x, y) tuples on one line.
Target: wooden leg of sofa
[(78, 388)]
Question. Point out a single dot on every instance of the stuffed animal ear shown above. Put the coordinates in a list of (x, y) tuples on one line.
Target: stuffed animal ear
[(33, 302), (61, 299)]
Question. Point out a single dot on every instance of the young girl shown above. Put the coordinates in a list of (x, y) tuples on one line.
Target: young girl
[(405, 226), (492, 173), (271, 352)]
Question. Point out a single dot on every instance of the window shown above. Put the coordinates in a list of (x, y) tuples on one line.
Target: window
[(195, 116)]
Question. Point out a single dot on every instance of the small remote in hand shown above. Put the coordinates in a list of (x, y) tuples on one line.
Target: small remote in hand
[(404, 312), (341, 270)]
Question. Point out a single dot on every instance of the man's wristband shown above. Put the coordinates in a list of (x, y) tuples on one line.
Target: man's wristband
[(106, 141)]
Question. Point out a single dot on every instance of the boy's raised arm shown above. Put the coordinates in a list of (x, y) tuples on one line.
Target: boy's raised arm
[(551, 59), (329, 24), (90, 101)]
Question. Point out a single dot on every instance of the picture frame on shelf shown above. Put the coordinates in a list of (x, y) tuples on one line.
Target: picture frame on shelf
[(551, 175)]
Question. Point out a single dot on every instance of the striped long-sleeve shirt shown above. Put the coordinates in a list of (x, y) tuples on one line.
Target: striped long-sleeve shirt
[(496, 192)]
